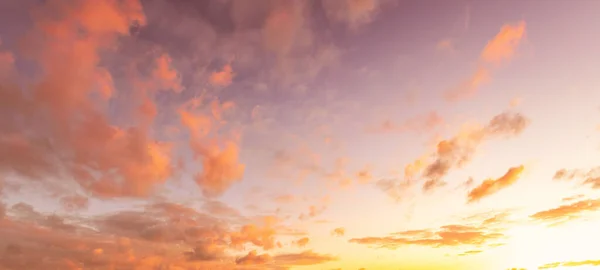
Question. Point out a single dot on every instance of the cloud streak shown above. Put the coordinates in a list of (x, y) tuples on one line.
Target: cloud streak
[(492, 186), (498, 51)]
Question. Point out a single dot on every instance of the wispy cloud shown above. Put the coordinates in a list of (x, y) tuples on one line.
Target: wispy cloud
[(492, 186), (499, 50)]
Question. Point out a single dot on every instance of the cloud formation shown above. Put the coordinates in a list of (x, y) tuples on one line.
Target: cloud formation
[(307, 257), (590, 177), (499, 50), (446, 236), (453, 153), (338, 231), (492, 186), (567, 212)]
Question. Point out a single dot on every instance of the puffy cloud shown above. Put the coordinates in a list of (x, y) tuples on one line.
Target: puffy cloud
[(260, 236), (166, 76), (492, 186), (307, 257), (499, 50), (162, 235), (338, 231), (222, 78), (61, 132), (315, 209), (302, 242), (567, 212), (221, 169), (460, 149)]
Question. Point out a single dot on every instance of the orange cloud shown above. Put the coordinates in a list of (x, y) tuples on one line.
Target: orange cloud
[(446, 236), (503, 46), (338, 231), (492, 186), (498, 50), (253, 259), (459, 150), (105, 160), (307, 257), (302, 242), (285, 27), (568, 211), (260, 236), (166, 76), (222, 78), (221, 169), (470, 252)]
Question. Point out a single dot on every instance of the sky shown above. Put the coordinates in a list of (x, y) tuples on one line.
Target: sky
[(266, 134)]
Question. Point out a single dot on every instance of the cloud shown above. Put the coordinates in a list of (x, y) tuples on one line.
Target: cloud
[(590, 177), (74, 202), (418, 124), (503, 46), (302, 242), (63, 132), (221, 168), (459, 150), (167, 77), (353, 13), (338, 231), (222, 78), (570, 264), (567, 212), (492, 186), (453, 235), (307, 257), (252, 258), (499, 50)]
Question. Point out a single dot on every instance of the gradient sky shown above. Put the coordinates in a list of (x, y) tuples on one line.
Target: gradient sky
[(266, 134)]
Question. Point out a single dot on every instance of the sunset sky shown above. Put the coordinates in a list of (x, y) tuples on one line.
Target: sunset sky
[(300, 134)]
